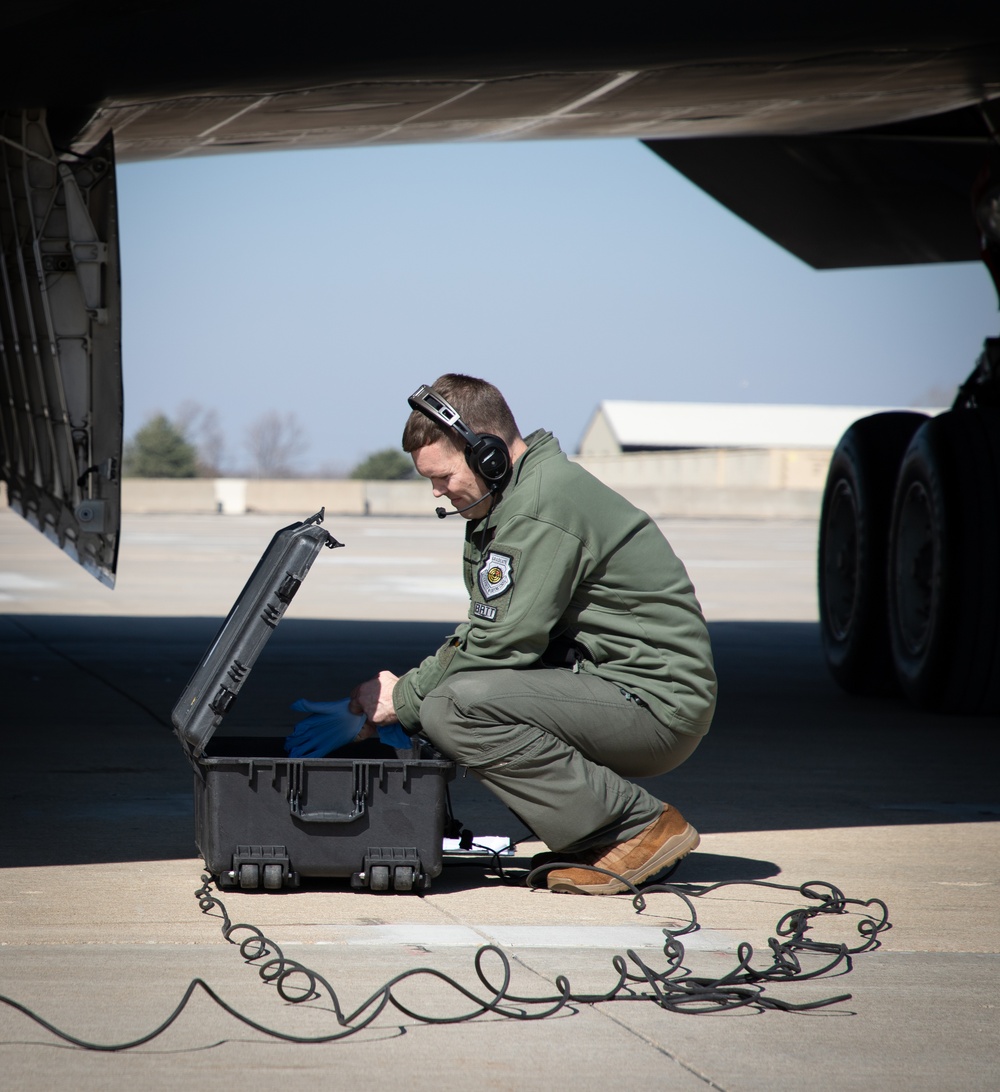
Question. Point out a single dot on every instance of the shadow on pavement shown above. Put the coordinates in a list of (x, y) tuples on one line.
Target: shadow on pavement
[(95, 775)]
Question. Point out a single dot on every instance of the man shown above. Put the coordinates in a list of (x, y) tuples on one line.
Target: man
[(585, 659)]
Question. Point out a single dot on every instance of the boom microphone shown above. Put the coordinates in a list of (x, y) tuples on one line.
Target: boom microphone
[(441, 513)]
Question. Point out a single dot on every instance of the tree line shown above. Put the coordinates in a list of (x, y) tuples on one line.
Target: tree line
[(191, 444)]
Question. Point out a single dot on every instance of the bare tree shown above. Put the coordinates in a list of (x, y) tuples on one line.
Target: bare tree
[(201, 428), (274, 441)]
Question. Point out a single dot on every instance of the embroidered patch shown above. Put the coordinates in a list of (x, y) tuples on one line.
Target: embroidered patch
[(481, 610), (495, 577)]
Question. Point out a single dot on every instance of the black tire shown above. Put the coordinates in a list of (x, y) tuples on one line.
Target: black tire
[(273, 877), (944, 565), (379, 878), (853, 550), (403, 878), (249, 876)]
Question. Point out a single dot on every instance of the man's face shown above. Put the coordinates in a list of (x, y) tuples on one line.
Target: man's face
[(450, 476)]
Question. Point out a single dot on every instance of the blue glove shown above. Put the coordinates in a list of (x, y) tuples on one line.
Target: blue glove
[(392, 735), (331, 726)]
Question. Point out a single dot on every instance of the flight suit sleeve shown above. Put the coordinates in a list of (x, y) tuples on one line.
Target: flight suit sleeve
[(522, 585), (411, 688)]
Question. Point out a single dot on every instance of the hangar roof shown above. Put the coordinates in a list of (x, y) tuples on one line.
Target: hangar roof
[(618, 426)]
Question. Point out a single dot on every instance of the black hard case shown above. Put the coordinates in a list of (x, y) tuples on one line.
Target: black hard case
[(263, 819)]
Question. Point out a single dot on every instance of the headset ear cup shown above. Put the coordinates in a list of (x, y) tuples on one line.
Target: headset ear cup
[(490, 459)]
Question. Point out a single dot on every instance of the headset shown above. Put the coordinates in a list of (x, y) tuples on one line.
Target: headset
[(487, 455)]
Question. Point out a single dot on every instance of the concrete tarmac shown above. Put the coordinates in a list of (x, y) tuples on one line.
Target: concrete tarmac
[(797, 783)]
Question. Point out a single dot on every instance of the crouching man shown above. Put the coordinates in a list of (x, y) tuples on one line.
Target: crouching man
[(585, 660)]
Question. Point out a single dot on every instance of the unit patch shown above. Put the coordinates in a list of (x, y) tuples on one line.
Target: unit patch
[(481, 610), (495, 576)]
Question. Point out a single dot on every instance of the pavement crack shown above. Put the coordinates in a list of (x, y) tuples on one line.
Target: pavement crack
[(601, 1010), (49, 646)]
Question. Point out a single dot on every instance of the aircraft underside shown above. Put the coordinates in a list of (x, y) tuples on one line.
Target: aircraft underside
[(60, 342), (872, 139)]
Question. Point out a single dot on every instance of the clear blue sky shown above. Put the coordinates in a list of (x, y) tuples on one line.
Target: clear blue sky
[(330, 284)]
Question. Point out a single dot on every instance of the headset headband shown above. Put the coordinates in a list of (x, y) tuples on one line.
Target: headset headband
[(430, 403), (487, 455)]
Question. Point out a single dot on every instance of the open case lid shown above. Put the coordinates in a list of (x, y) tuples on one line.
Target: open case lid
[(258, 609)]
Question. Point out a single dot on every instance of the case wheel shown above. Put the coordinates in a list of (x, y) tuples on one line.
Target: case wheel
[(249, 876), (379, 878), (403, 878), (272, 877)]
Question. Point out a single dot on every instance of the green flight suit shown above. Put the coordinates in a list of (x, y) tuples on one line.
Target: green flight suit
[(585, 659)]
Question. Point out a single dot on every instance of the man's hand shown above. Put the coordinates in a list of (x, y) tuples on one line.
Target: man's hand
[(374, 699)]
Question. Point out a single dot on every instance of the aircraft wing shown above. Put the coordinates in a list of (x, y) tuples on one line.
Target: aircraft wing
[(886, 195), (852, 139)]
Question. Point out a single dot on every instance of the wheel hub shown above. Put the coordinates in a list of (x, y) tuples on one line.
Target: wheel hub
[(841, 563), (915, 564)]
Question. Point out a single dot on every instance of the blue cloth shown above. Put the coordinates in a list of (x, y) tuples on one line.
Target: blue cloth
[(331, 726), (392, 735)]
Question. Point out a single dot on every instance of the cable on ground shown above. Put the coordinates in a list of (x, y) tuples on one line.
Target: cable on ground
[(674, 988)]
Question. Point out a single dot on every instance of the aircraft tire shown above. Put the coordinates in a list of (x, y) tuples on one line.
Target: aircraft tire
[(853, 550), (944, 565)]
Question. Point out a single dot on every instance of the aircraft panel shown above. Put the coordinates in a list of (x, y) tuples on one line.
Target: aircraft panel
[(60, 337)]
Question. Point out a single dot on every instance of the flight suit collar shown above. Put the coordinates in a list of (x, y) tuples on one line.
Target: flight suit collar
[(542, 445)]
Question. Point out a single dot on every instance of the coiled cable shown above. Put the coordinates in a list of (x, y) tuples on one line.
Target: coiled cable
[(674, 988)]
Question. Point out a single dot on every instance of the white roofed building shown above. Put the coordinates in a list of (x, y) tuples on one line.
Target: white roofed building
[(621, 426), (715, 459)]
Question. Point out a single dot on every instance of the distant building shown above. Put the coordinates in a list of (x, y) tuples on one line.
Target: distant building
[(619, 427)]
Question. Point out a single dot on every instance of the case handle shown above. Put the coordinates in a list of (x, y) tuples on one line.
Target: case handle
[(297, 779), (326, 816)]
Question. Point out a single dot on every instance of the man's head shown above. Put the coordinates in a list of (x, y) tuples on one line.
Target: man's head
[(482, 407), (440, 454)]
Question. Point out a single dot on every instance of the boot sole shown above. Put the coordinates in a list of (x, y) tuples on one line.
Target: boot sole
[(672, 850)]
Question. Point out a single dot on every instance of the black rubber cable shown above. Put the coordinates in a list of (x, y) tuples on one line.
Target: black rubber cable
[(675, 989)]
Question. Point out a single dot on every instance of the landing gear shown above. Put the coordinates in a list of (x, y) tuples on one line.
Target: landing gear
[(909, 552), (853, 549), (944, 565)]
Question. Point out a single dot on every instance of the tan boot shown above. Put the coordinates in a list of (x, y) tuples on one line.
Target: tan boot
[(551, 857), (665, 841)]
